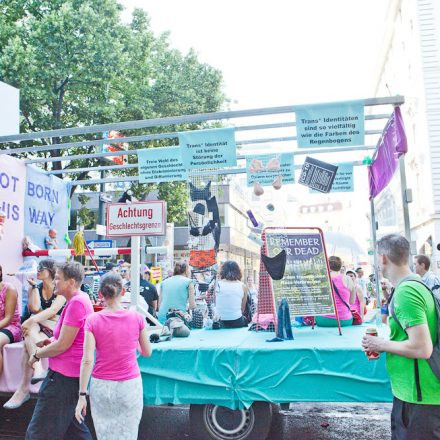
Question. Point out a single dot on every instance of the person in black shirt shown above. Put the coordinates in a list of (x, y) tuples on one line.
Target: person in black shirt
[(148, 291)]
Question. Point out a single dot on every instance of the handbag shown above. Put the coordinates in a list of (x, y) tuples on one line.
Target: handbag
[(202, 259), (357, 318)]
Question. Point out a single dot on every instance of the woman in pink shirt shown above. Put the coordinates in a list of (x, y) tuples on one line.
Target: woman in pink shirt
[(347, 293), (116, 393)]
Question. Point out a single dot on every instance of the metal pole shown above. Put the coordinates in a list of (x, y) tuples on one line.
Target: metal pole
[(101, 211), (143, 253), (376, 263), (405, 207), (135, 267)]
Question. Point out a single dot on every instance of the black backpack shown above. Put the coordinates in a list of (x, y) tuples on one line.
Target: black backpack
[(434, 360)]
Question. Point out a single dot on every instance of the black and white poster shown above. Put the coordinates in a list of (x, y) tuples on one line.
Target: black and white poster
[(317, 175)]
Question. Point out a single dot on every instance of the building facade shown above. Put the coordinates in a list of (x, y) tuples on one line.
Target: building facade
[(409, 65)]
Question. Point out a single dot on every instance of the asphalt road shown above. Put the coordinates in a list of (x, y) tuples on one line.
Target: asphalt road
[(304, 421)]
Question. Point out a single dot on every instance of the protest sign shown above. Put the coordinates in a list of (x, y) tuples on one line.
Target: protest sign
[(12, 188), (265, 168), (140, 218), (317, 174), (337, 124), (214, 148), (46, 207), (306, 282), (343, 179), (162, 164)]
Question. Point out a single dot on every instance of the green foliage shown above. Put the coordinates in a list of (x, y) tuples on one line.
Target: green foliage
[(85, 216), (76, 63)]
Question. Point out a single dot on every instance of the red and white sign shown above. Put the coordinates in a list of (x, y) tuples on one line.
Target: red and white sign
[(140, 218)]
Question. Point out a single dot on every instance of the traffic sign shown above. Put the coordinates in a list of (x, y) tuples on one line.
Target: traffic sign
[(140, 218), (100, 244)]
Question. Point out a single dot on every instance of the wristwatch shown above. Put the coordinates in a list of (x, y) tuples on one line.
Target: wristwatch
[(35, 356), (82, 394)]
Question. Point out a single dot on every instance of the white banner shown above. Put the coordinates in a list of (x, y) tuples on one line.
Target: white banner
[(140, 218)]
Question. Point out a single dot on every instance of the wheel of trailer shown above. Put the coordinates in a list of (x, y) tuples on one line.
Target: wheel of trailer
[(220, 423)]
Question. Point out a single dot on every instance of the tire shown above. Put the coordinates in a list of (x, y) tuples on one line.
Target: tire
[(214, 422)]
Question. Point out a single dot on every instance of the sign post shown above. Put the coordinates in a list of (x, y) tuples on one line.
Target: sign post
[(135, 220)]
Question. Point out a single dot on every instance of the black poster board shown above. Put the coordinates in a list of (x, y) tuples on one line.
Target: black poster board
[(317, 175)]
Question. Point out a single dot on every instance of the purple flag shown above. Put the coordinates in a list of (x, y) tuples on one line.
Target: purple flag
[(390, 147)]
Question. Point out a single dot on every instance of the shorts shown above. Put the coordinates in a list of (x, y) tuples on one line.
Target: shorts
[(8, 334)]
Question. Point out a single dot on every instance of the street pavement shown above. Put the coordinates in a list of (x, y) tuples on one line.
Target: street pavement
[(304, 421)]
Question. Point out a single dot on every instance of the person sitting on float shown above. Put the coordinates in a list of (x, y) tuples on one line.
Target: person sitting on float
[(10, 328), (176, 292), (231, 296), (346, 289), (45, 308)]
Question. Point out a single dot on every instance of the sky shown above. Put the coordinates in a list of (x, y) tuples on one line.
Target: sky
[(278, 52), (281, 52)]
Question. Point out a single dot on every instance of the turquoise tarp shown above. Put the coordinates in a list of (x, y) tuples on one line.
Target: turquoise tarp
[(235, 367)]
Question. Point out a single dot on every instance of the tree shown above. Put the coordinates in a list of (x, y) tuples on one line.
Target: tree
[(76, 63)]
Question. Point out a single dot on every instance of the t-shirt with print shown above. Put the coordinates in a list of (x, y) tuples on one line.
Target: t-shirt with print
[(413, 305), (74, 314), (116, 335), (149, 292)]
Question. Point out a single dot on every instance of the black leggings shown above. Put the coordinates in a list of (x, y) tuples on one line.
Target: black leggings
[(235, 323)]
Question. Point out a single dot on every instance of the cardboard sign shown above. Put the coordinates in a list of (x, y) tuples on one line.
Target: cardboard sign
[(337, 124), (317, 175), (306, 281), (156, 274), (208, 149), (162, 164), (140, 218)]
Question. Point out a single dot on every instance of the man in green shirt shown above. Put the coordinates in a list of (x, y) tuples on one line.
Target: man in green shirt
[(416, 390)]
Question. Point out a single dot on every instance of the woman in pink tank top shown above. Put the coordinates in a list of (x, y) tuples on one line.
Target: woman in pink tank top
[(10, 327), (346, 289), (116, 394)]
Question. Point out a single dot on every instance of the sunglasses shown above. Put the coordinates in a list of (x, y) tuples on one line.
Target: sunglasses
[(41, 268)]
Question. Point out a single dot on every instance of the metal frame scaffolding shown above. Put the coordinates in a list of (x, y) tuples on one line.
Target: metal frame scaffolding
[(80, 137)]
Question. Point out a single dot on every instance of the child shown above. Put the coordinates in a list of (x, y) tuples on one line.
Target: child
[(51, 240)]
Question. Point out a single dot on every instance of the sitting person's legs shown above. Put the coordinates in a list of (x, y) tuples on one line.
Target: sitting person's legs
[(5, 338), (21, 395)]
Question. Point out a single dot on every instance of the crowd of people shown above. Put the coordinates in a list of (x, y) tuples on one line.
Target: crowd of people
[(83, 346), (78, 344)]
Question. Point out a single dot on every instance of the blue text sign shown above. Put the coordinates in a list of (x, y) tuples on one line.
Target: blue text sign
[(162, 164), (337, 124), (265, 168), (214, 148)]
